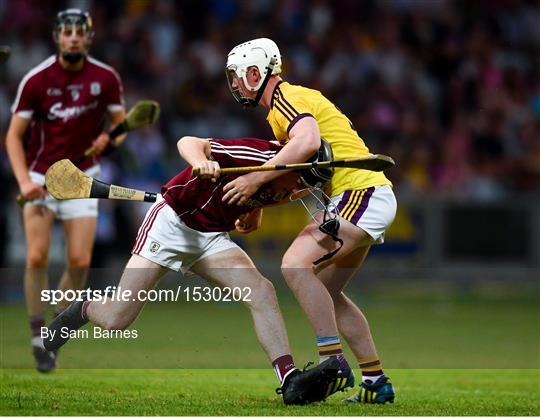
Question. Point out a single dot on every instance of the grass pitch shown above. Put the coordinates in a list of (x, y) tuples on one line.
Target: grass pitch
[(447, 354), (250, 392)]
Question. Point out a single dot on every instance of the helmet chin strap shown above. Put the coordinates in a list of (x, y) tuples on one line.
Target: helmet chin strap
[(329, 224), (248, 102)]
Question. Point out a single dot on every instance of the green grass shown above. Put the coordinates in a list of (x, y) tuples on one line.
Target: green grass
[(447, 354), (250, 392), (412, 331)]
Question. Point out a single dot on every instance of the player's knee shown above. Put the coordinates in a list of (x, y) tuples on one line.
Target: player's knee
[(267, 290), (262, 292), (338, 297), (111, 325), (116, 322), (36, 259), (294, 271), (79, 261), (290, 262)]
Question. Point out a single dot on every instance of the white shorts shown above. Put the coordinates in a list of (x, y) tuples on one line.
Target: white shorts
[(67, 209), (372, 209), (166, 240)]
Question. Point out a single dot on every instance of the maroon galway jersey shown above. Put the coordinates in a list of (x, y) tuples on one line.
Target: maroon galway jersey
[(67, 109), (198, 202)]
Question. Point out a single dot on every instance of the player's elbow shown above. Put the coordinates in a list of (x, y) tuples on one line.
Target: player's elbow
[(185, 139), (313, 144), (308, 146), (192, 142), (307, 136), (189, 138)]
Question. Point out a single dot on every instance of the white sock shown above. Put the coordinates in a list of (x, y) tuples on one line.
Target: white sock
[(368, 380)]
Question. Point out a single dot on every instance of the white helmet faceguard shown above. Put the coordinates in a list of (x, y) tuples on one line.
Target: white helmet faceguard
[(262, 53)]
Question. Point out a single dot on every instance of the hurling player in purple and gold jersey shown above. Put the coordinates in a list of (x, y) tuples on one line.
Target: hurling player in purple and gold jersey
[(363, 201), (64, 101)]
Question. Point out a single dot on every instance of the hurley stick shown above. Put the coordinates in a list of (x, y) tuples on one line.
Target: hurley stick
[(64, 181), (375, 162)]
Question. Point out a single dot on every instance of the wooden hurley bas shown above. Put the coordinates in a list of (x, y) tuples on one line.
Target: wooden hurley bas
[(65, 181)]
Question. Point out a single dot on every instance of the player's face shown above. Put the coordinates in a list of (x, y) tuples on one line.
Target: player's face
[(73, 39), (238, 84)]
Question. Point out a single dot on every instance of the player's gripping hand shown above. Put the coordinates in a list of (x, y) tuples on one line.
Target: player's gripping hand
[(31, 191), (100, 143), (240, 189), (208, 169), (249, 222)]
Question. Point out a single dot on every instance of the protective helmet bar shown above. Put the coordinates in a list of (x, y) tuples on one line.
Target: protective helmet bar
[(262, 53), (237, 92), (74, 17)]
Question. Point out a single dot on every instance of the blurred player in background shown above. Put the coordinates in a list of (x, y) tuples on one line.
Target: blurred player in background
[(362, 202), (187, 229), (65, 101)]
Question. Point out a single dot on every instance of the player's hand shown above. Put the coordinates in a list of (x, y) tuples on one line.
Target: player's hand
[(32, 191), (240, 190), (249, 222), (208, 169), (100, 143)]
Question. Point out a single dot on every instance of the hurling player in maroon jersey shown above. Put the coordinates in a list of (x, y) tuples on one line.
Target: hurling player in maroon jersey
[(64, 101), (187, 229)]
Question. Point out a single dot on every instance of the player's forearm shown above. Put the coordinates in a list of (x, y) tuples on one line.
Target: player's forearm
[(194, 150), (17, 157), (297, 150), (14, 147)]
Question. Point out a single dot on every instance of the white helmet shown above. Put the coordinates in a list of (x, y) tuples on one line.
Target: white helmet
[(262, 53)]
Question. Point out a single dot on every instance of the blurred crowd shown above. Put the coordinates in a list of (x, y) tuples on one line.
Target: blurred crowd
[(450, 89)]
